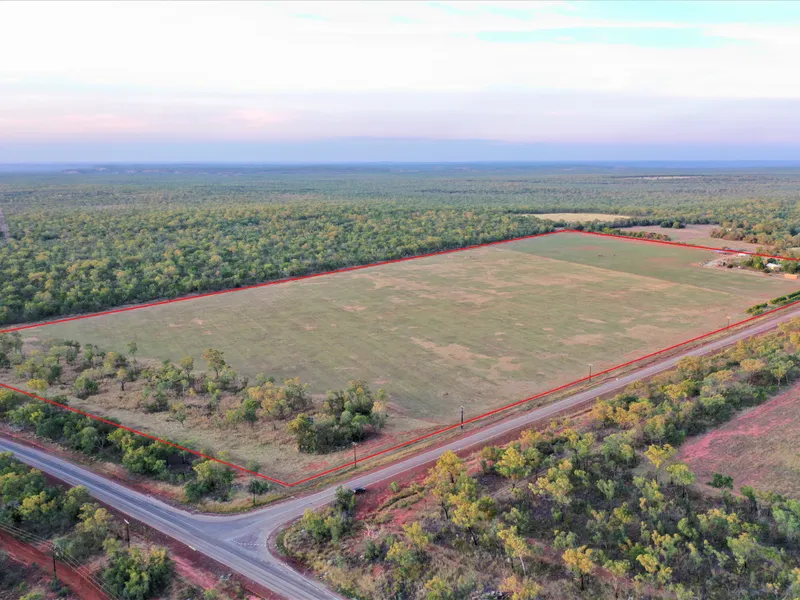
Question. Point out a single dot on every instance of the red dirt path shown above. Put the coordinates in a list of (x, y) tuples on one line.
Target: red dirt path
[(29, 555)]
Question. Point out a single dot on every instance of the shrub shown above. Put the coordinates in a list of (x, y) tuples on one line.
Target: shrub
[(85, 386)]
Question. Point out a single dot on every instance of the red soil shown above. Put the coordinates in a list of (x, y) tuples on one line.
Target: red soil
[(757, 448), (30, 555)]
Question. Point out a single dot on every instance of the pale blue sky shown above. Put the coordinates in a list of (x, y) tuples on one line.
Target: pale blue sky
[(443, 80)]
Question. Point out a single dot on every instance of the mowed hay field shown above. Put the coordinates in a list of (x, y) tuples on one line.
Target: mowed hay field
[(579, 217), (479, 328)]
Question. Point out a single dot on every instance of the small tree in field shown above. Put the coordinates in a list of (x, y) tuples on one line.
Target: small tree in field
[(215, 360), (132, 350)]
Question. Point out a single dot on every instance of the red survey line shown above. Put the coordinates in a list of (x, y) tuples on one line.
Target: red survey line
[(430, 434), (369, 266), (137, 432), (542, 394), (275, 282), (679, 244)]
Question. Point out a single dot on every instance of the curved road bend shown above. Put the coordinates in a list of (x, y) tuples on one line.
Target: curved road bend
[(239, 541)]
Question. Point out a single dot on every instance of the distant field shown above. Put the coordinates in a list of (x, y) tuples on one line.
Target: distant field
[(579, 217), (699, 235), (757, 448), (479, 328)]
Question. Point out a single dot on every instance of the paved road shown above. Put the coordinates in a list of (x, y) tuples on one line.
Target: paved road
[(240, 541)]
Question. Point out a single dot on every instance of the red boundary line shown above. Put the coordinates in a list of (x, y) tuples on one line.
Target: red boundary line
[(274, 282), (376, 264), (678, 244), (137, 432), (427, 435)]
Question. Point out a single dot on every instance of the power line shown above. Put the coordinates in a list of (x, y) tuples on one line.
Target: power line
[(65, 557)]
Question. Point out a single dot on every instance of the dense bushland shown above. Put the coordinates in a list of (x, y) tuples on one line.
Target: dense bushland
[(75, 261)]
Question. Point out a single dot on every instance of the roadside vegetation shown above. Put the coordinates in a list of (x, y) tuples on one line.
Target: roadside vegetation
[(103, 552), (592, 507), (79, 532), (774, 303)]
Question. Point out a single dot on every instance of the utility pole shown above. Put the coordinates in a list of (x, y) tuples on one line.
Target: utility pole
[(590, 370), (127, 532), (355, 459), (462, 417), (54, 562), (253, 489), (729, 321)]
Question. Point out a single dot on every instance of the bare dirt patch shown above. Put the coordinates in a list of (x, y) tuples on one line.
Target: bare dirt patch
[(584, 339), (354, 308), (757, 448), (578, 217), (454, 352)]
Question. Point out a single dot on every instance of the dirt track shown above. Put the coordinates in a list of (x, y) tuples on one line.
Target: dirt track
[(30, 555)]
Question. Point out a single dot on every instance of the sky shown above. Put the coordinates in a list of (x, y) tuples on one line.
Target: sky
[(417, 81)]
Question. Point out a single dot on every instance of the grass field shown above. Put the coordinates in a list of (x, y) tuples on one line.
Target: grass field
[(699, 235), (580, 217), (479, 328), (757, 448)]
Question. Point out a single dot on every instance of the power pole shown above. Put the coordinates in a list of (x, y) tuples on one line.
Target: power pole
[(355, 459), (54, 562), (462, 417), (127, 532), (590, 370)]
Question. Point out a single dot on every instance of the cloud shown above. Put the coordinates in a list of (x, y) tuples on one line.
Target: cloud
[(274, 47), (323, 70), (520, 117)]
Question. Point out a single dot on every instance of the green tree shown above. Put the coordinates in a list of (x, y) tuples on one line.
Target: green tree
[(513, 466), (518, 588), (515, 545), (133, 348), (38, 385), (442, 479), (579, 562), (215, 360)]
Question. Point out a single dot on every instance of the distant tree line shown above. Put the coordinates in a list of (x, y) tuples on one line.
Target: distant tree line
[(76, 262), (87, 242)]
